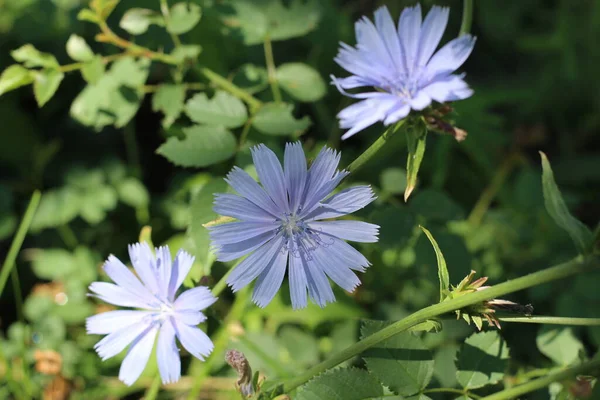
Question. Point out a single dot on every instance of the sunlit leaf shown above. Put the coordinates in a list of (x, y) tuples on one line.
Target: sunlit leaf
[(415, 138), (223, 109), (277, 119), (14, 77), (93, 70), (169, 99), (183, 17), (203, 145), (78, 49), (556, 207), (45, 84), (32, 57), (482, 360), (347, 384), (186, 52), (443, 275), (559, 345), (403, 363), (137, 20), (301, 81), (133, 192)]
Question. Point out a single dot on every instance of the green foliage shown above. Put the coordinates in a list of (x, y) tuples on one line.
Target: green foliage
[(277, 119), (223, 109), (443, 275), (183, 17), (482, 360), (346, 384), (559, 345), (14, 77), (403, 362), (301, 81), (415, 139), (169, 99), (137, 20)]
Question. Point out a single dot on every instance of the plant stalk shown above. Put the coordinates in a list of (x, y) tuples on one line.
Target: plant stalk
[(375, 147), (467, 17), (542, 319)]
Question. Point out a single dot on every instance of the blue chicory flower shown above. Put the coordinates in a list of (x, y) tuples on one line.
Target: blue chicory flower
[(401, 67), (285, 223), (160, 313)]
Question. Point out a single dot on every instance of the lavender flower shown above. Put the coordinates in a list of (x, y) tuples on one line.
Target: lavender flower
[(161, 313), (401, 67), (283, 225)]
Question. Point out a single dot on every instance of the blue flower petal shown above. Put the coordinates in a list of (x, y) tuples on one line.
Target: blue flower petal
[(112, 321), (181, 268), (114, 343), (270, 174), (113, 294), (138, 355), (234, 232), (189, 317), (167, 354), (241, 208), (247, 187), (450, 57), (122, 276), (409, 31), (389, 34), (270, 279), (335, 269), (163, 270), (432, 31), (144, 263), (193, 340), (195, 299), (232, 251), (295, 172), (298, 282), (356, 231), (319, 288), (254, 264)]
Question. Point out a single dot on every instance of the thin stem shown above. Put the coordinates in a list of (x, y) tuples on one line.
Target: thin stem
[(18, 294), (517, 391), (488, 195), (245, 132), (222, 283), (221, 338), (541, 319), (78, 65), (467, 17), (450, 390), (68, 236), (17, 242), (375, 147), (228, 86), (560, 271), (187, 86), (164, 9), (271, 71), (153, 390)]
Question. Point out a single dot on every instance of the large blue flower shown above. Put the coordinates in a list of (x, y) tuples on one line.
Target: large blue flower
[(401, 67), (161, 314), (285, 225)]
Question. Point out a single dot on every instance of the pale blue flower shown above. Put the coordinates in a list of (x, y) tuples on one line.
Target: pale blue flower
[(285, 225), (159, 313), (400, 66)]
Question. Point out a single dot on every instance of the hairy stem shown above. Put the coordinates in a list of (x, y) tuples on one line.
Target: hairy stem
[(560, 271), (467, 17), (271, 71), (17, 242), (375, 147), (541, 383)]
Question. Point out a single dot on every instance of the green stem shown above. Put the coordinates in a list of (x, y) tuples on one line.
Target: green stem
[(14, 274), (569, 373), (375, 147), (225, 84), (153, 390), (245, 132), (68, 236), (553, 273), (467, 17), (221, 339), (222, 283), (450, 390), (164, 9), (271, 71), (541, 319), (17, 242)]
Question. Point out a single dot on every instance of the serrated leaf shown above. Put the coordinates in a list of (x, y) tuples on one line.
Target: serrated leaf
[(556, 207), (183, 17), (203, 145), (402, 362), (115, 98), (223, 109), (415, 138), (137, 20), (482, 360), (93, 70), (45, 84), (301, 81), (277, 119), (78, 49), (169, 99), (341, 384), (202, 212), (559, 345), (443, 275), (14, 77), (32, 57), (262, 18)]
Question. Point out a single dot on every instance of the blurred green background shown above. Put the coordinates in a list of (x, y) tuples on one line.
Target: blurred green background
[(534, 72)]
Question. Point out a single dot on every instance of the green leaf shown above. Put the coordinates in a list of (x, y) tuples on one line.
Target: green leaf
[(402, 362), (93, 70), (341, 384), (169, 99), (277, 119), (443, 275), (202, 212), (183, 17), (262, 18), (559, 345), (556, 207), (186, 52), (203, 145), (45, 84), (137, 20), (32, 57), (103, 8), (393, 180), (482, 360), (301, 81), (14, 77), (302, 347), (252, 78), (415, 137), (133, 193), (115, 98), (78, 49), (57, 207), (88, 15), (223, 109)]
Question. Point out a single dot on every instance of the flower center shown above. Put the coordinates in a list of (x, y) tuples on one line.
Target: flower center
[(292, 225)]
